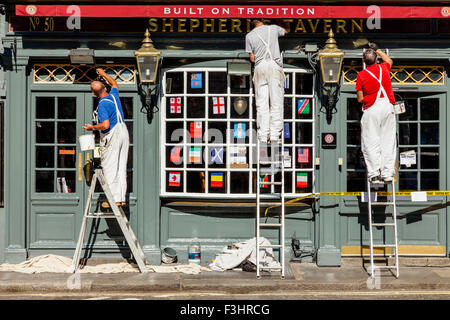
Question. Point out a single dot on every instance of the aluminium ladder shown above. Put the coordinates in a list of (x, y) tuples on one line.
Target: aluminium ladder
[(276, 162), (392, 246), (118, 214)]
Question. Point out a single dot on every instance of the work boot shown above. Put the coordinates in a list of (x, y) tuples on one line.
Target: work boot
[(376, 180)]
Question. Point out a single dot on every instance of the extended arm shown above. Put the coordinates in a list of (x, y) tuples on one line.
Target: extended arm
[(101, 126), (108, 78), (385, 57)]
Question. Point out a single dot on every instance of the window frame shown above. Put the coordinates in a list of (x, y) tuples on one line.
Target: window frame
[(250, 145)]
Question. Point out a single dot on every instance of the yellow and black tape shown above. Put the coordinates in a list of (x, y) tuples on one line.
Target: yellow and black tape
[(435, 193)]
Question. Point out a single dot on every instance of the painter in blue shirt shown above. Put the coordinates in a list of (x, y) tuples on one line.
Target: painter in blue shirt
[(114, 137)]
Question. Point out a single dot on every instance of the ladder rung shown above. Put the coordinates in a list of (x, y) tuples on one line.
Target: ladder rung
[(382, 203), (383, 224), (385, 245), (98, 215), (268, 225), (384, 267), (271, 246), (275, 183), (270, 162)]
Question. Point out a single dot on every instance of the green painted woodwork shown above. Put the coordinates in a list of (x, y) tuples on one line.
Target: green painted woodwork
[(34, 224)]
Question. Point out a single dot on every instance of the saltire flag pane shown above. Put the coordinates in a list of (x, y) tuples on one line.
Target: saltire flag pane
[(264, 178), (196, 130), (175, 155), (302, 180), (217, 155), (303, 106), (195, 155), (196, 80), (218, 105), (174, 179), (175, 105), (216, 179), (239, 130), (303, 155)]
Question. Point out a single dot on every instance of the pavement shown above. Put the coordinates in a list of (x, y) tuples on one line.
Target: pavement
[(419, 274)]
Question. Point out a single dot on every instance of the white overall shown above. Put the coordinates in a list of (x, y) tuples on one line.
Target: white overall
[(114, 147), (268, 79), (378, 135)]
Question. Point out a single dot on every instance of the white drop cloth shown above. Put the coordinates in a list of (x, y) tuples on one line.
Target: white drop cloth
[(60, 264), (231, 258)]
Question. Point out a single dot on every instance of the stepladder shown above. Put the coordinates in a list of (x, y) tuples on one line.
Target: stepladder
[(116, 213), (389, 244), (270, 193)]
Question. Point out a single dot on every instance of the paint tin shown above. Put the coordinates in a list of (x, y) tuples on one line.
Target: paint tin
[(194, 253), (399, 107), (87, 142)]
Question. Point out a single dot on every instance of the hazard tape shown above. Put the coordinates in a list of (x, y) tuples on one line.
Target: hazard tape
[(434, 193)]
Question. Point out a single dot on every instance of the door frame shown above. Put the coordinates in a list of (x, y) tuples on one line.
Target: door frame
[(59, 200), (349, 206)]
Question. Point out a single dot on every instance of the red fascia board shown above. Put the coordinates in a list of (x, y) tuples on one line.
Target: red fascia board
[(231, 11)]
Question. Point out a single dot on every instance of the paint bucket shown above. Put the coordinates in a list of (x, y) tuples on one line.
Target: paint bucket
[(87, 142), (194, 253), (169, 255)]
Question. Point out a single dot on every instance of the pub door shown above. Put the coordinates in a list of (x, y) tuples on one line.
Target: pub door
[(421, 130), (60, 173)]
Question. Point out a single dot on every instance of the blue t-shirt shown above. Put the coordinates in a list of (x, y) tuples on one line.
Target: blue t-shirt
[(107, 109)]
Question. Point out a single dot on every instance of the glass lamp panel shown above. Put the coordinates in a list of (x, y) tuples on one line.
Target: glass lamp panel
[(330, 68)]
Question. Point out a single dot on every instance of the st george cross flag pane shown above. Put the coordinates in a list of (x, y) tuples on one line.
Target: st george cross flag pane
[(174, 179), (218, 105), (175, 105), (303, 106), (302, 180)]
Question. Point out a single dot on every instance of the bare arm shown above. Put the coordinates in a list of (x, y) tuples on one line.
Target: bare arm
[(101, 126), (360, 96), (252, 57), (385, 57), (109, 79)]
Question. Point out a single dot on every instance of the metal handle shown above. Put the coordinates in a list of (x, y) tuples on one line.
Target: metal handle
[(80, 167), (88, 166)]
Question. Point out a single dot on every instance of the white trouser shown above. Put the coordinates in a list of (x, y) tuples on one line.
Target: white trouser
[(268, 80), (378, 139), (114, 147)]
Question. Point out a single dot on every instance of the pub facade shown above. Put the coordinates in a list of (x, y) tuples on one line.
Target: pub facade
[(192, 164)]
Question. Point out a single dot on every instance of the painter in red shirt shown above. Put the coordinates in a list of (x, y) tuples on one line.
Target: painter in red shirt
[(378, 127)]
